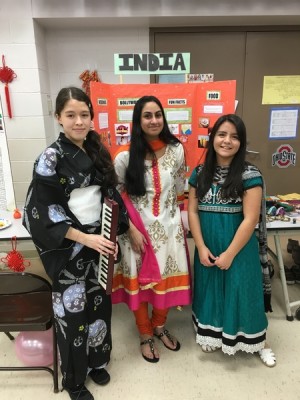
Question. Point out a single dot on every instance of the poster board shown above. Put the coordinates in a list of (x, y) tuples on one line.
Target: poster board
[(190, 109), (7, 195)]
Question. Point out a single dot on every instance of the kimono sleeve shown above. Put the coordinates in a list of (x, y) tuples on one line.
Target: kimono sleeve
[(46, 215)]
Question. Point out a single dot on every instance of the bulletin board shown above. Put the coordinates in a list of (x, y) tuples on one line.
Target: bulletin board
[(190, 109)]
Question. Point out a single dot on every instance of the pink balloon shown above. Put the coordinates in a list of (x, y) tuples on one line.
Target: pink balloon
[(35, 348)]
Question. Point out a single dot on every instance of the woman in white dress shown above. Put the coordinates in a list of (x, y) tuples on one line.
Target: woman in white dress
[(154, 266)]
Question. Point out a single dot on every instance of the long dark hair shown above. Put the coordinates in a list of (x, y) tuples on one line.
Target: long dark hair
[(233, 185), (139, 147), (93, 146)]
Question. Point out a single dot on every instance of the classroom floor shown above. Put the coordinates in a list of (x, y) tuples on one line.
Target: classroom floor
[(188, 374)]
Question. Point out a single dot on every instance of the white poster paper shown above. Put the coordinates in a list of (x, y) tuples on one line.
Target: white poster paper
[(7, 195)]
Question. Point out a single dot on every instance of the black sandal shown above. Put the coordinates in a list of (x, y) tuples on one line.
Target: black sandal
[(149, 341), (165, 332)]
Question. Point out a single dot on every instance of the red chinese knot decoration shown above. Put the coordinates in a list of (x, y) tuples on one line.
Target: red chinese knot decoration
[(7, 75), (14, 259)]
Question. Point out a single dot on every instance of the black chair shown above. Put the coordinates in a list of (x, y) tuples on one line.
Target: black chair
[(26, 305)]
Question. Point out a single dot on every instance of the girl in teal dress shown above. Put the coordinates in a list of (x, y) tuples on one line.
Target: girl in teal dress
[(225, 199)]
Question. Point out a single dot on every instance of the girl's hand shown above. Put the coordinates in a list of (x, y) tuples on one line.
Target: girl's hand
[(206, 257), (224, 261), (100, 244), (137, 240), (116, 251)]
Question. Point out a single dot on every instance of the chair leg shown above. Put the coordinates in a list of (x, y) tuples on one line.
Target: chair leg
[(9, 335), (55, 361)]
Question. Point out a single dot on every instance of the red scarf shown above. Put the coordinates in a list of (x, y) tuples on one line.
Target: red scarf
[(155, 145)]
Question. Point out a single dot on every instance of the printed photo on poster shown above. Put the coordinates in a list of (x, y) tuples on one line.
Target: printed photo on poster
[(186, 129), (174, 128), (200, 78), (203, 141), (122, 140), (122, 133), (204, 122)]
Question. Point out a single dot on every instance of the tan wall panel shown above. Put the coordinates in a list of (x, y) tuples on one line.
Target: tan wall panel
[(245, 55), (221, 53), (268, 54)]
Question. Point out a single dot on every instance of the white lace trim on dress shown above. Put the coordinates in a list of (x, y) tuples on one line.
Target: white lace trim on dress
[(230, 350)]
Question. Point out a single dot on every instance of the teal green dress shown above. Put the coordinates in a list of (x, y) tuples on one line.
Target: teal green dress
[(228, 305)]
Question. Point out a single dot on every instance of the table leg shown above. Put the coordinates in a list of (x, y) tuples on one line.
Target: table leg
[(289, 315)]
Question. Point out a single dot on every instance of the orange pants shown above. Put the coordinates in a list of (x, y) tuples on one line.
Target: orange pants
[(144, 323)]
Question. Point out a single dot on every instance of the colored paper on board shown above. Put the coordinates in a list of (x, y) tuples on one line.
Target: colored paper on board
[(189, 107), (281, 89)]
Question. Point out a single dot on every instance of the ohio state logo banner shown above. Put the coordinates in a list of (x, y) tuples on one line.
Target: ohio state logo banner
[(284, 156)]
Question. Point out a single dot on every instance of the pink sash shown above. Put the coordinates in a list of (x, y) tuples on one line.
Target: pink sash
[(149, 274)]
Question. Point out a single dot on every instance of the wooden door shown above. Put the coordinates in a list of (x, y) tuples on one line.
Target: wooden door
[(270, 54), (245, 56), (220, 53)]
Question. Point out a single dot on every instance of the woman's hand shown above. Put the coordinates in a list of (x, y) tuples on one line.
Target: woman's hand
[(116, 251), (137, 239)]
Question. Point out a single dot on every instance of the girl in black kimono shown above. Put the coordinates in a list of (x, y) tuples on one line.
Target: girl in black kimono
[(63, 215)]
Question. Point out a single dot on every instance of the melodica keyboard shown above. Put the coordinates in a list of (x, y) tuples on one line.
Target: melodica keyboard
[(110, 212)]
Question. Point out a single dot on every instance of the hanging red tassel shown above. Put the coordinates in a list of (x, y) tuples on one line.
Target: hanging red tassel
[(6, 76), (14, 259), (8, 101)]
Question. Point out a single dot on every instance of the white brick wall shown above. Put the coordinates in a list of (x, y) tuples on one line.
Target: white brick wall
[(45, 61)]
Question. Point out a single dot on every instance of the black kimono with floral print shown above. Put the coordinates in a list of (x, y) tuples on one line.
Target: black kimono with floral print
[(82, 309)]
